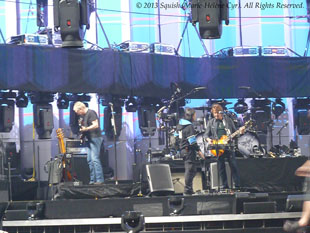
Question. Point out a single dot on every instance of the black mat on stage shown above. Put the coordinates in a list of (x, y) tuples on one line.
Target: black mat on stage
[(261, 174), (69, 191)]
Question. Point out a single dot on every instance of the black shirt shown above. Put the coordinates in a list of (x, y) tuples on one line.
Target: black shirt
[(220, 128), (87, 120)]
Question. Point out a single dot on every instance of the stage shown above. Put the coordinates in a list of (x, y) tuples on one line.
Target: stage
[(221, 212), (73, 207)]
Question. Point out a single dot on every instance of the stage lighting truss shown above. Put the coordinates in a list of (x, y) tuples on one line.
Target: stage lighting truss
[(21, 100), (41, 97), (278, 107), (241, 106), (62, 101)]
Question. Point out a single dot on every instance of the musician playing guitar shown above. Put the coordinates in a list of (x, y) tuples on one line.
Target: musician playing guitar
[(217, 127), (90, 129)]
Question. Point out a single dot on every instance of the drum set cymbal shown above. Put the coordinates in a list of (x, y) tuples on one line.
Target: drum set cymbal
[(224, 102), (203, 108)]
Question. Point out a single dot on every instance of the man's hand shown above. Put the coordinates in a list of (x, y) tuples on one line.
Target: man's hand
[(209, 140), (83, 129), (242, 129), (201, 155)]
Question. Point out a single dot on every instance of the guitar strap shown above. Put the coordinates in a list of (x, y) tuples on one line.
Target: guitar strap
[(226, 129)]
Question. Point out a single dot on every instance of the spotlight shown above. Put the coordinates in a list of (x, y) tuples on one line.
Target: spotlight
[(132, 221), (6, 115), (261, 113), (241, 106), (62, 101), (131, 104), (70, 16), (21, 100), (278, 107), (35, 210)]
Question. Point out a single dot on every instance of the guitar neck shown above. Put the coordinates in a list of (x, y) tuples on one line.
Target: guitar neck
[(234, 134)]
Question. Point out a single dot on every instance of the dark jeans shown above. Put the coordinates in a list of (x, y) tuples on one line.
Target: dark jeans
[(230, 157), (93, 160), (190, 169)]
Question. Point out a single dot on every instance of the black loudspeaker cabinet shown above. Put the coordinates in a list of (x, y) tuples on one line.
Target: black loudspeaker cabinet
[(214, 175), (159, 179), (259, 207), (79, 168), (294, 203)]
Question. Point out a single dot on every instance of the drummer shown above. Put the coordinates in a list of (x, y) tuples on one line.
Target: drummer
[(217, 127)]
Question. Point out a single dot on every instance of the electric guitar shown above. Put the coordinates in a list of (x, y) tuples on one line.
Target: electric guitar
[(224, 140), (82, 135), (62, 150)]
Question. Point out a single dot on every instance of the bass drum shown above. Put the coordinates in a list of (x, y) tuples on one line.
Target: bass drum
[(203, 145), (248, 144)]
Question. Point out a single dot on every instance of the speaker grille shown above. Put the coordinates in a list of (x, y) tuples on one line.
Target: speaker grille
[(159, 178)]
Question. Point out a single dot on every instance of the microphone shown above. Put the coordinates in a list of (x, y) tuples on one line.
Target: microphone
[(200, 88), (113, 119), (177, 88), (222, 112), (244, 87), (286, 124)]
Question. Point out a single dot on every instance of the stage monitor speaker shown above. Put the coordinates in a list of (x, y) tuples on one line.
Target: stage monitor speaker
[(214, 175), (159, 178), (259, 207), (179, 182), (294, 203)]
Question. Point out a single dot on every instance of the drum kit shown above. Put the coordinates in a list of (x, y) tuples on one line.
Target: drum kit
[(247, 145)]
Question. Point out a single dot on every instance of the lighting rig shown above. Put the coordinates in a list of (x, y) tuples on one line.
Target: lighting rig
[(302, 115), (43, 113), (7, 110)]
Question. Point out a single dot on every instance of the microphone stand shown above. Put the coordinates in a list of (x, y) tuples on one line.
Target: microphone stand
[(114, 140), (279, 133)]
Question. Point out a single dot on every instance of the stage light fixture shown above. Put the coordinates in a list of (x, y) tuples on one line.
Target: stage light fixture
[(35, 210), (302, 115), (278, 107), (6, 115), (241, 106), (22, 100), (210, 14), (132, 221), (261, 111), (62, 101), (131, 104), (70, 16)]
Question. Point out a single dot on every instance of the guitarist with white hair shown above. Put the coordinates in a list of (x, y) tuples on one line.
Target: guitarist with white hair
[(218, 127)]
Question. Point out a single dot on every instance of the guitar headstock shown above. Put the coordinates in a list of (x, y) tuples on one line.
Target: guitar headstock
[(60, 133), (248, 124)]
